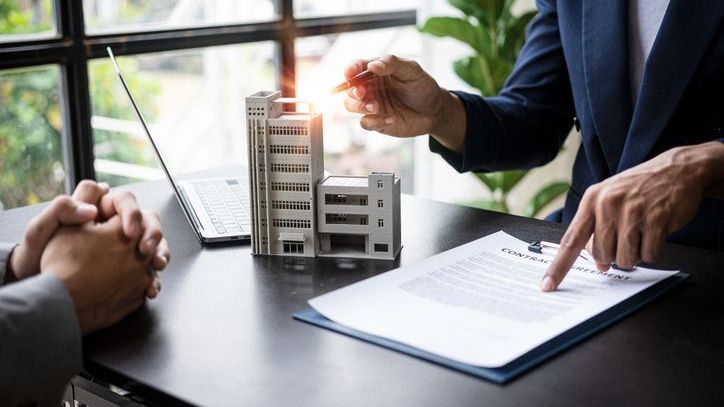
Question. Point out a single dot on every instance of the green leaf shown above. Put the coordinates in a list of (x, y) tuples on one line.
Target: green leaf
[(515, 33), (545, 196), (488, 179), (502, 68), (471, 8), (509, 179), (487, 204), (458, 28), (477, 73)]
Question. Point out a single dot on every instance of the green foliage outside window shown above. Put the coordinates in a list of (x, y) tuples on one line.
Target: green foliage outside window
[(31, 124)]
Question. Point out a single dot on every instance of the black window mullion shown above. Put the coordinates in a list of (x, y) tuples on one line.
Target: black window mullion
[(287, 56), (72, 49), (78, 134)]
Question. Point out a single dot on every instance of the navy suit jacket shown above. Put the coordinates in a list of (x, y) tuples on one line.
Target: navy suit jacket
[(574, 68)]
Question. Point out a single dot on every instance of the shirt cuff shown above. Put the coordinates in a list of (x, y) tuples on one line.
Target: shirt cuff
[(5, 250), (482, 132)]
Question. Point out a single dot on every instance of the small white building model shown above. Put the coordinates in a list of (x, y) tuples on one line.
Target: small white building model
[(359, 216), (286, 162), (294, 212)]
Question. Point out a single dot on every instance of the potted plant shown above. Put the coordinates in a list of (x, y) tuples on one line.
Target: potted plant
[(495, 35)]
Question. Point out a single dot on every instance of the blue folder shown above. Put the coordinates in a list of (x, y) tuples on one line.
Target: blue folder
[(520, 365)]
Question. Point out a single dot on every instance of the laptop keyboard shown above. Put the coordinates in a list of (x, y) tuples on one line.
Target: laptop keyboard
[(225, 201)]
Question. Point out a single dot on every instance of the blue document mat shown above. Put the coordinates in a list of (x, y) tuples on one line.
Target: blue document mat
[(529, 360)]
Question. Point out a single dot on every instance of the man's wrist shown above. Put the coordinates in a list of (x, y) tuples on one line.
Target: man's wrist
[(448, 128), (714, 169)]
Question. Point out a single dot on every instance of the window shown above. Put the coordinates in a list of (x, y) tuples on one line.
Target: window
[(290, 187), (380, 183), (292, 168), (188, 63), (344, 199), (379, 247), (312, 8), (27, 20), (292, 205), (380, 203), (292, 223), (345, 219), (31, 127), (288, 149), (293, 247), (380, 223), (104, 16)]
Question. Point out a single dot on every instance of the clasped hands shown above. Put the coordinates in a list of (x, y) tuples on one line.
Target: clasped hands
[(101, 246)]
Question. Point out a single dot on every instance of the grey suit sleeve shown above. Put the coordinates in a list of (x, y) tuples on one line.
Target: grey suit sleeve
[(40, 341)]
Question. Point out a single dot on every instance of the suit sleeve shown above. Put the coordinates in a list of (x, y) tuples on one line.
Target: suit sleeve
[(527, 123), (40, 339)]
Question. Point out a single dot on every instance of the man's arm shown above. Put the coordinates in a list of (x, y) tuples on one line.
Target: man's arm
[(526, 124), (630, 214), (523, 127), (40, 341)]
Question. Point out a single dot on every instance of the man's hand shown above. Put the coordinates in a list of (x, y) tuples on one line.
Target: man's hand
[(91, 201), (631, 214), (102, 270), (404, 100), (63, 210), (136, 223)]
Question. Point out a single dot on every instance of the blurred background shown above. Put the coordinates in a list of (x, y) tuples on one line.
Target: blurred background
[(190, 63)]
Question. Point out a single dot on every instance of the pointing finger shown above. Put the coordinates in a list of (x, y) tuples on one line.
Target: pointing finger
[(574, 240)]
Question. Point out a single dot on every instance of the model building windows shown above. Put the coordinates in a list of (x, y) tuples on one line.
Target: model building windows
[(290, 187), (290, 168), (380, 203), (344, 199), (379, 247), (345, 219), (380, 223), (291, 205), (292, 247), (380, 183), (292, 223), (288, 149), (288, 131)]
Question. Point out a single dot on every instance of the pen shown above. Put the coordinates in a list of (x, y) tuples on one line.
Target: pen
[(543, 247), (358, 79)]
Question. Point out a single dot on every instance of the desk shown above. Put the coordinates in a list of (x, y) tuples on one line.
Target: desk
[(221, 332)]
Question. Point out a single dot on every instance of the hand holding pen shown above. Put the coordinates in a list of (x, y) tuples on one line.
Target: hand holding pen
[(397, 97)]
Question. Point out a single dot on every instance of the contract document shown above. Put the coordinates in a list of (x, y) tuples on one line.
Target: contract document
[(480, 304)]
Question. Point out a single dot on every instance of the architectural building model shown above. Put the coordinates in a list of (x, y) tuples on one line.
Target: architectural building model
[(294, 211)]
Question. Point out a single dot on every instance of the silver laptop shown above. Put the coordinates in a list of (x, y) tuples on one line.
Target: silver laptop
[(217, 208)]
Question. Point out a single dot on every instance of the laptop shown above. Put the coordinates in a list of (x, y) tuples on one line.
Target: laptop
[(216, 208)]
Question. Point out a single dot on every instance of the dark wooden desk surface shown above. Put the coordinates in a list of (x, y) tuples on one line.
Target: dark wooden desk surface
[(221, 332)]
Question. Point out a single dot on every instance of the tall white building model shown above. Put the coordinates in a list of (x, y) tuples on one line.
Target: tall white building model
[(296, 213)]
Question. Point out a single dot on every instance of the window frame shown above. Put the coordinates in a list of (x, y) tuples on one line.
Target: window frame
[(72, 48)]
